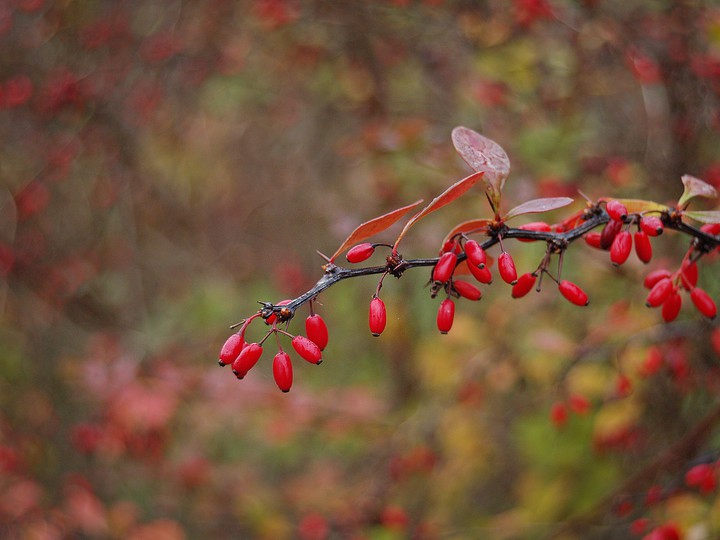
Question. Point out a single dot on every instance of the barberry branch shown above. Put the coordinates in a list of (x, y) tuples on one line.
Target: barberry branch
[(492, 166), (559, 240)]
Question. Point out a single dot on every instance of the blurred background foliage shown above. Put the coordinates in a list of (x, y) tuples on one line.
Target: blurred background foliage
[(164, 165)]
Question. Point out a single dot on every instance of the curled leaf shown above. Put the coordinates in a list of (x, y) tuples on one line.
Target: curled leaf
[(694, 187), (483, 155), (536, 206), (373, 227), (446, 197), (704, 216)]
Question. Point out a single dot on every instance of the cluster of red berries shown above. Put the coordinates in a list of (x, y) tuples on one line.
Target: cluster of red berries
[(243, 356), (443, 277), (617, 238)]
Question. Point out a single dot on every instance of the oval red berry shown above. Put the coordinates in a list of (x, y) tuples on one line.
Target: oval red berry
[(616, 210), (482, 274), (656, 275), (660, 292), (377, 316), (283, 371), (230, 350), (593, 239), (523, 285), (703, 302), (316, 330), (506, 267), (609, 232), (307, 349), (444, 267), (360, 253), (475, 254), (446, 315), (643, 247), (652, 225), (573, 293), (247, 358), (671, 307), (620, 248), (467, 290)]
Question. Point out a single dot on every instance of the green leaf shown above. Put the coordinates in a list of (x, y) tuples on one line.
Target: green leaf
[(483, 155), (635, 206), (536, 206), (373, 227), (704, 216), (694, 187), (446, 197)]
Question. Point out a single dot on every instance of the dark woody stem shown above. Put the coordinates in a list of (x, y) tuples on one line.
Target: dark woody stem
[(557, 241)]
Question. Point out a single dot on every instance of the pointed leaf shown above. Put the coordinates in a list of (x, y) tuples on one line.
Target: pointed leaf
[(446, 197), (373, 227), (641, 206), (483, 155), (536, 206), (694, 187), (471, 226), (704, 216)]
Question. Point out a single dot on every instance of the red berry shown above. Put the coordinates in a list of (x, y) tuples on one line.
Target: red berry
[(616, 210), (689, 275), (537, 226), (451, 246), (444, 267), (467, 289), (307, 349), (445, 316), (573, 293), (671, 307), (656, 275), (609, 232), (283, 371), (703, 302), (558, 414), (652, 363), (482, 274), (703, 477), (523, 285), (316, 330), (377, 317), (506, 266), (360, 253), (579, 404), (231, 349), (593, 239), (247, 358), (660, 292), (643, 247), (652, 225), (620, 248), (711, 228), (623, 385), (475, 254)]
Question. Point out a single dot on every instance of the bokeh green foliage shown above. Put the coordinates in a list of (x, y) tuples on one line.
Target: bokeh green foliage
[(166, 165)]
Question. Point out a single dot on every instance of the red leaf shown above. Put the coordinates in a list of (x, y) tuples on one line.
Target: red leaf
[(483, 155), (536, 206), (446, 197), (373, 227)]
